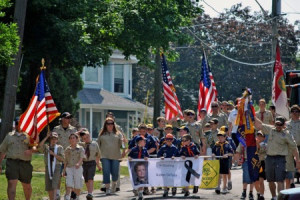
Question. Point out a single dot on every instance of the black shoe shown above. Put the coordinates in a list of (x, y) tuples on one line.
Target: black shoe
[(243, 196), (218, 191), (166, 193), (159, 188), (293, 185), (195, 190), (174, 191), (103, 189), (146, 191), (251, 197), (187, 193), (89, 197), (117, 189), (73, 195), (261, 198)]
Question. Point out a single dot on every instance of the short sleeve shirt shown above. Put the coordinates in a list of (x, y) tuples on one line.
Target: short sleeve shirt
[(294, 128), (94, 150), (195, 131), (63, 135), (222, 118), (231, 119), (45, 149), (73, 155)]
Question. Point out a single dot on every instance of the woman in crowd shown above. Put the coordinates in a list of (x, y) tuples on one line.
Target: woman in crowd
[(110, 141)]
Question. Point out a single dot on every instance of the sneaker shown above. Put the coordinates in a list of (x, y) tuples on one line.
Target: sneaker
[(135, 192), (107, 191), (140, 196), (103, 189), (217, 190), (117, 189), (183, 191), (166, 193), (229, 186), (251, 197), (187, 193), (113, 188), (146, 191), (153, 191), (261, 198), (274, 198), (73, 195), (89, 197), (224, 191), (195, 190), (174, 191), (159, 188), (57, 197), (292, 185), (243, 196)]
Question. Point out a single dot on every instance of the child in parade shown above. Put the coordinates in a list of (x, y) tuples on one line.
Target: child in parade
[(159, 132), (139, 152), (222, 148), (168, 130), (134, 134), (262, 153), (209, 139), (53, 158), (182, 131), (214, 128), (74, 155), (168, 150), (188, 149)]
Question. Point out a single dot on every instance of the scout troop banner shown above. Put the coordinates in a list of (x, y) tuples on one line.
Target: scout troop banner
[(167, 172), (210, 174)]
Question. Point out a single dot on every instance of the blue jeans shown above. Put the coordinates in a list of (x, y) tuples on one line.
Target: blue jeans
[(110, 167)]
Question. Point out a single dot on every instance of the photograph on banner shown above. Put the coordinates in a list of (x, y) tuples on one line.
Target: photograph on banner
[(138, 171), (168, 172)]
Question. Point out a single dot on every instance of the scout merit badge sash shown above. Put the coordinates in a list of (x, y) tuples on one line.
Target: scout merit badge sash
[(51, 166)]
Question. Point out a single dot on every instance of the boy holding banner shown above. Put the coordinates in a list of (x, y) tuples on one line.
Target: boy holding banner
[(168, 150), (189, 149)]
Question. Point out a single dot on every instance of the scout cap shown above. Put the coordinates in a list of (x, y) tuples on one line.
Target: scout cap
[(169, 136), (295, 108), (139, 138), (224, 128), (203, 110), (83, 132), (66, 115), (149, 126), (54, 135), (183, 128), (168, 126), (135, 129), (142, 126), (221, 133), (207, 125), (260, 133), (74, 135), (214, 120), (280, 120), (191, 112)]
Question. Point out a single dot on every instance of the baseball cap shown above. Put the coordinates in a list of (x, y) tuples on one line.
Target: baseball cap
[(203, 110), (150, 126), (214, 120), (224, 128), (54, 134), (183, 128), (260, 133), (66, 115), (139, 138), (280, 120), (168, 126), (221, 133), (142, 126)]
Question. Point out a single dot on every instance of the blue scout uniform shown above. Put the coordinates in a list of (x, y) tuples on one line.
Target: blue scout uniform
[(138, 152), (178, 144), (150, 142), (221, 149), (190, 150), (163, 141), (231, 142), (168, 151), (131, 143)]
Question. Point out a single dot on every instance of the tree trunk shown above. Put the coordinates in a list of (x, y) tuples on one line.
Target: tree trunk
[(12, 76), (157, 87)]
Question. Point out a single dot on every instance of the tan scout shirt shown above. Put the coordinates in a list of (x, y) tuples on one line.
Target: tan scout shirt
[(221, 118), (45, 149), (109, 144), (294, 128), (73, 155), (278, 142), (267, 115), (195, 131), (262, 151), (94, 150), (63, 135), (214, 134), (242, 150), (14, 145)]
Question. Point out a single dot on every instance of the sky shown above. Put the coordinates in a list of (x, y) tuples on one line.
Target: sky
[(287, 6)]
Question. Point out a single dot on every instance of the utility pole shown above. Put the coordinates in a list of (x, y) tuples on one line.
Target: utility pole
[(12, 76), (276, 11)]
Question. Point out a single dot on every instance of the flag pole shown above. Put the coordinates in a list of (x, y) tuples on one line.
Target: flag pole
[(146, 108)]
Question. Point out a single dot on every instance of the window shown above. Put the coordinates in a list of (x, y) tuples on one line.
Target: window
[(107, 76), (119, 79), (91, 74)]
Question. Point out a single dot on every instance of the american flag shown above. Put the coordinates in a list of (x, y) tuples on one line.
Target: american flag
[(172, 106), (207, 87), (41, 110)]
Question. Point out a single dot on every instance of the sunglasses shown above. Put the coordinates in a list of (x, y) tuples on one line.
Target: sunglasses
[(190, 114), (169, 139), (295, 111), (278, 124), (110, 123), (214, 106)]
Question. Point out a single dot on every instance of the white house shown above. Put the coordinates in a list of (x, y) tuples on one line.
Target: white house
[(109, 89)]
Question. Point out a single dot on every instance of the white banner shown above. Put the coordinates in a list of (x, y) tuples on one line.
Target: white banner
[(167, 172)]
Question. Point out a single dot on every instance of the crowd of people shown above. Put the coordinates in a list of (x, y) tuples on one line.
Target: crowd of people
[(72, 153)]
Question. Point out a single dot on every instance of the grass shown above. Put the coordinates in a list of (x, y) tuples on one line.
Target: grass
[(38, 181)]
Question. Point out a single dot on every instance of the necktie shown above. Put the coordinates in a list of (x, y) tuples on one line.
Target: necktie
[(51, 160), (262, 116), (87, 151), (140, 153)]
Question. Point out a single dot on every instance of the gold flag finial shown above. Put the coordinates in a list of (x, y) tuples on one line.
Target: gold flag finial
[(43, 67)]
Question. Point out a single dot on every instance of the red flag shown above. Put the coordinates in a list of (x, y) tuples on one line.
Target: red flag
[(207, 87), (41, 110), (279, 97), (172, 106)]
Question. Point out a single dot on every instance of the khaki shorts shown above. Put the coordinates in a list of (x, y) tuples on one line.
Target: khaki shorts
[(18, 170), (54, 183), (74, 177)]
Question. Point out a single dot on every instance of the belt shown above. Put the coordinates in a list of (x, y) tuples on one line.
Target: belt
[(89, 162), (18, 160)]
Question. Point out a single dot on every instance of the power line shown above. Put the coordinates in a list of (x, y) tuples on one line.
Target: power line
[(243, 63), (211, 7)]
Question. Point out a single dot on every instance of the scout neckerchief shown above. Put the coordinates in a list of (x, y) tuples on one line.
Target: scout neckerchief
[(51, 172), (190, 152)]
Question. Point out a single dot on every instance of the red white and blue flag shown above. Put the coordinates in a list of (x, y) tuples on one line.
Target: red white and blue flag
[(41, 110), (172, 106), (207, 87)]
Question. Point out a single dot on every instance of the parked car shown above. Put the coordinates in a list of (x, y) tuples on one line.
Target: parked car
[(289, 194)]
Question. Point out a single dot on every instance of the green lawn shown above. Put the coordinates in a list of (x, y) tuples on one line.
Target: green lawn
[(38, 181)]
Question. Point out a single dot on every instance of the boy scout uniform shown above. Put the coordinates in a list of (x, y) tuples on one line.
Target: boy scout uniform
[(195, 130), (222, 119), (293, 126), (63, 135), (18, 166), (266, 117)]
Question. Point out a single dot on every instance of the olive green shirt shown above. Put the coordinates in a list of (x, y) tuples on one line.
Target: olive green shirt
[(214, 134), (94, 150), (73, 155), (262, 151), (45, 149), (222, 118), (267, 117), (293, 126), (109, 144), (14, 145), (278, 142), (63, 135), (196, 131)]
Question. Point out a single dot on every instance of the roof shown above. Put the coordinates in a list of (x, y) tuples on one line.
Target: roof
[(106, 99)]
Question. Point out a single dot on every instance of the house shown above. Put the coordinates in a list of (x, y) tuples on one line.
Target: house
[(109, 89)]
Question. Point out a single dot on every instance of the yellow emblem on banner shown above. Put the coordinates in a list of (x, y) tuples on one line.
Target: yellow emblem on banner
[(210, 174)]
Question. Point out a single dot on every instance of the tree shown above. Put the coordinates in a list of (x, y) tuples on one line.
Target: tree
[(149, 26)]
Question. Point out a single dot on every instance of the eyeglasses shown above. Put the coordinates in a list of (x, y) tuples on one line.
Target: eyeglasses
[(214, 106), (169, 139), (190, 114), (110, 123)]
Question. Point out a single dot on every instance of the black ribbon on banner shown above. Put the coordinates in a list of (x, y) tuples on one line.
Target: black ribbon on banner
[(189, 166)]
